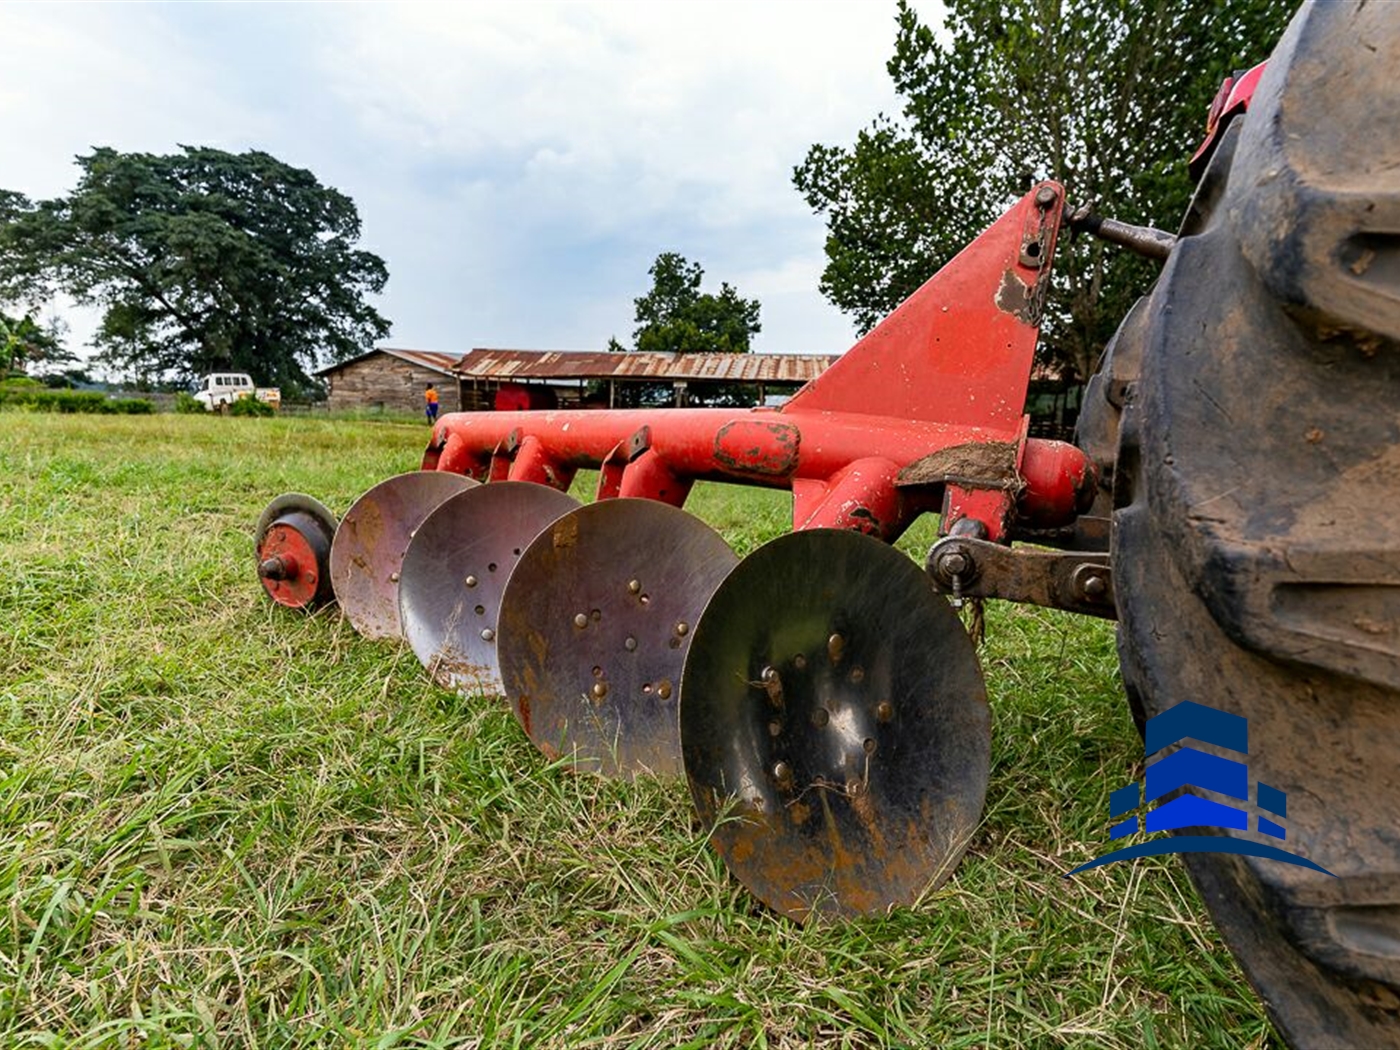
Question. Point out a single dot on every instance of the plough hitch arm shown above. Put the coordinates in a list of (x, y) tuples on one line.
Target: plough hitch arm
[(1076, 581)]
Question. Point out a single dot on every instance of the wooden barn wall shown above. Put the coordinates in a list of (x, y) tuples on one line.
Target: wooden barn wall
[(389, 382)]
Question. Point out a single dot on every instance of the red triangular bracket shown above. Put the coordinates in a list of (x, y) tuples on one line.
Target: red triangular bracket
[(959, 349)]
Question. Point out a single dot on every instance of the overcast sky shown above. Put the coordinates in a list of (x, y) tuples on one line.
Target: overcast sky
[(518, 165)]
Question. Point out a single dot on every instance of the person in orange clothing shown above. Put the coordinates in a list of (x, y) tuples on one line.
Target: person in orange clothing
[(430, 406)]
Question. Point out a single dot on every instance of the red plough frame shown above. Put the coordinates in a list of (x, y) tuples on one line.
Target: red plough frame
[(925, 413)]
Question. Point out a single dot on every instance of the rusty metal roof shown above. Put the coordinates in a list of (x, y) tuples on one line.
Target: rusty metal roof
[(563, 364), (427, 358), (434, 359), (584, 364)]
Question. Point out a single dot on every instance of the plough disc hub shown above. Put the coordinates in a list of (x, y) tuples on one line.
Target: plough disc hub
[(293, 546)]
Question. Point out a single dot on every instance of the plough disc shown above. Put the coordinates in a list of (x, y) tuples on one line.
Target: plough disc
[(367, 554), (455, 573), (594, 628), (834, 726), (293, 545)]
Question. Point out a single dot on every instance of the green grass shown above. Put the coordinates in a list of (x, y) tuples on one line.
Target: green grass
[(222, 824)]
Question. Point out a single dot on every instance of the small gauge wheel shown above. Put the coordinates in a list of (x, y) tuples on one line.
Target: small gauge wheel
[(293, 547)]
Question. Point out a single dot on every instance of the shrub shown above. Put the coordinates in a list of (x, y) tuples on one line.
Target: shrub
[(129, 406), (36, 398), (188, 404), (251, 406)]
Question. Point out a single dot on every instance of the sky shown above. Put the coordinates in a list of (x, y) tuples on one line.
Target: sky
[(518, 166)]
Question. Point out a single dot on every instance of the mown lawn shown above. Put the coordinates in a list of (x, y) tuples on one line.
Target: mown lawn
[(225, 825)]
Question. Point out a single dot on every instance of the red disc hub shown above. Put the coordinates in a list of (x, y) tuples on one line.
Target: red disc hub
[(293, 546), (287, 565)]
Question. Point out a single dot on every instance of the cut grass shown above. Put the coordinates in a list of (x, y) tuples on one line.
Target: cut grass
[(222, 824)]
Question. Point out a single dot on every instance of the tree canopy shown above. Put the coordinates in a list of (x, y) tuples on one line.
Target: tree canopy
[(675, 317), (200, 261), (1107, 96)]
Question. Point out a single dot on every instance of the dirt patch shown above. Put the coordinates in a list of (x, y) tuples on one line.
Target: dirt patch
[(986, 464)]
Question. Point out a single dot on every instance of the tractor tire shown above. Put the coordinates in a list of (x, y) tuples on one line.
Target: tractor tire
[(1256, 493)]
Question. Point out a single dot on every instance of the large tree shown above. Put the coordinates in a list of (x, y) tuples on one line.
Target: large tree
[(200, 261), (676, 317), (1107, 96)]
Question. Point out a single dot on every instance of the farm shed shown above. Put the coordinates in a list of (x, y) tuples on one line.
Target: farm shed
[(392, 380), (570, 379)]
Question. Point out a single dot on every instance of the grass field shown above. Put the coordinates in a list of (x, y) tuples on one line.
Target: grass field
[(224, 825)]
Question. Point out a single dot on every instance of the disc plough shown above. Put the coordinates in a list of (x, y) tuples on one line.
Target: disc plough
[(821, 695)]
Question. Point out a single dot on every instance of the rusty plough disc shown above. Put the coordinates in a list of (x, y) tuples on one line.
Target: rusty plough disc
[(455, 573), (594, 628), (293, 545), (834, 723), (367, 554)]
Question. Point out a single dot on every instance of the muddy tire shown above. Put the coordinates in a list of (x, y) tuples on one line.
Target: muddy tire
[(1257, 512)]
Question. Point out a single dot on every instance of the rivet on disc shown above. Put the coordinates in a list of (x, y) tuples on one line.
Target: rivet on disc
[(664, 690), (800, 662), (835, 646), (487, 634), (884, 710), (630, 645), (782, 772), (772, 685), (600, 690), (869, 746), (471, 581), (634, 586), (393, 577), (775, 729), (581, 620), (857, 674), (682, 628), (820, 717)]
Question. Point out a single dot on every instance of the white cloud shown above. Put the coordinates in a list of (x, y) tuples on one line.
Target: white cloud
[(517, 164)]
